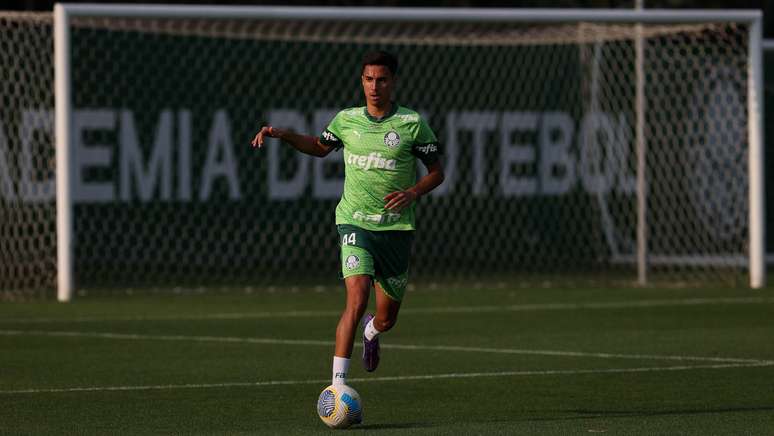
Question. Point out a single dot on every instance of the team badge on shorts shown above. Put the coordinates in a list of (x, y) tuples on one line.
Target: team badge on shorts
[(392, 139), (352, 262)]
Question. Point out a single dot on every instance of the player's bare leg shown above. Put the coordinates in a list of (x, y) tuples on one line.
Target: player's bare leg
[(386, 310), (358, 290), (385, 319)]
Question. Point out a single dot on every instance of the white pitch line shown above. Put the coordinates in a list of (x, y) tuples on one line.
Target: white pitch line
[(450, 348), (415, 311), (575, 354), (598, 305), (202, 317), (557, 372), (131, 336)]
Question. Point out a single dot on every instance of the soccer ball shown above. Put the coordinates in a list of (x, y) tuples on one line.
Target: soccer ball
[(339, 406)]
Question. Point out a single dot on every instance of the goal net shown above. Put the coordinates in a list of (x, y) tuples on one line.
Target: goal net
[(537, 120), (27, 209)]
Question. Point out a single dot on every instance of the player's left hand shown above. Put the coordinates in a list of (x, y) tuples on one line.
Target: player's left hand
[(399, 200), (265, 131)]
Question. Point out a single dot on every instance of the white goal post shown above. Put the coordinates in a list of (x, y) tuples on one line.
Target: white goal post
[(64, 14)]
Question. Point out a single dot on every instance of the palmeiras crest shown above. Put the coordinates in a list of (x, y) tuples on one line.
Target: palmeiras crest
[(392, 139), (352, 262)]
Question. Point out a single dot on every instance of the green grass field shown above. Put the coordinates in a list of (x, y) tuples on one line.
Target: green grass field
[(460, 361)]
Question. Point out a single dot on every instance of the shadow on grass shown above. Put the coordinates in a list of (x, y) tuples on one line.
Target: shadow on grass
[(592, 414), (390, 426)]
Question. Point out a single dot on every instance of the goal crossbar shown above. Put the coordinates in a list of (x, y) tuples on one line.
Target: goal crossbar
[(546, 15)]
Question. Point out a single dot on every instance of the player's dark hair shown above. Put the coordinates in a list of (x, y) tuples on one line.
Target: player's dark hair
[(381, 58)]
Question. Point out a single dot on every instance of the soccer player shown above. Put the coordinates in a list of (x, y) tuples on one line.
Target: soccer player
[(375, 216)]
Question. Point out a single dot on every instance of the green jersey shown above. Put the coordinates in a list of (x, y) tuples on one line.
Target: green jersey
[(379, 158)]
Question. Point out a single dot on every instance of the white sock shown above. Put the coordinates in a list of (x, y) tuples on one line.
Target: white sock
[(370, 331), (340, 370)]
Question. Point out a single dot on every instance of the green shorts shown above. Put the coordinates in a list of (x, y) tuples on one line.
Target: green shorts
[(381, 255)]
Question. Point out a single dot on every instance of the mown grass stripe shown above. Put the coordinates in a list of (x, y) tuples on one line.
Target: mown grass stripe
[(413, 311), (557, 372), (449, 348)]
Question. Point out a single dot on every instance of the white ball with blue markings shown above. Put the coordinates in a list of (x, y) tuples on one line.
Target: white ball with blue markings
[(339, 406)]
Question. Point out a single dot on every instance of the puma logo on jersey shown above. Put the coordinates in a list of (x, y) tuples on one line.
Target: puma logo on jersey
[(372, 161)]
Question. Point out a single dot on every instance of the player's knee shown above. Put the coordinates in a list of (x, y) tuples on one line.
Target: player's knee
[(384, 324), (357, 294), (355, 308)]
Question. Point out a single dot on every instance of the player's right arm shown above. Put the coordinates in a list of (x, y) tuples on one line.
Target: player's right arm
[(304, 143)]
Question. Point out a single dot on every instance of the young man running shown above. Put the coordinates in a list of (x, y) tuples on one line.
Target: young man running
[(375, 217)]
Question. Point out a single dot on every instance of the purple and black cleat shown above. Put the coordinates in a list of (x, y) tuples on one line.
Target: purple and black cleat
[(370, 348)]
